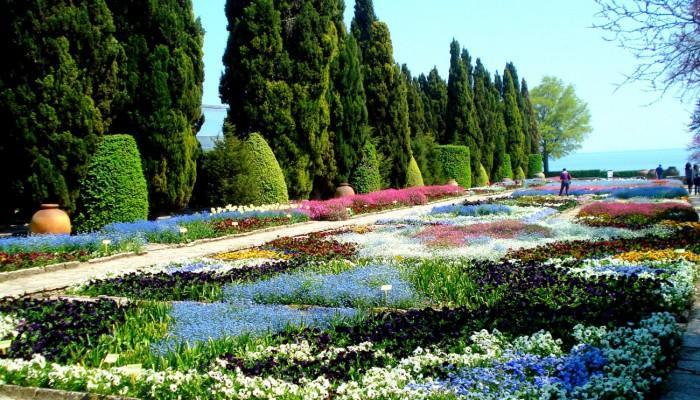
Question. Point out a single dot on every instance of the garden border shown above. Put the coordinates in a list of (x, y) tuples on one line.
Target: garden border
[(35, 393)]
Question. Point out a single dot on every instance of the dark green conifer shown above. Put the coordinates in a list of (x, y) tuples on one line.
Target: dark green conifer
[(515, 141)]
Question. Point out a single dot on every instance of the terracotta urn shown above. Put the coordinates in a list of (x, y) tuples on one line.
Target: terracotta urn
[(452, 182), (344, 190), (50, 219), (540, 175)]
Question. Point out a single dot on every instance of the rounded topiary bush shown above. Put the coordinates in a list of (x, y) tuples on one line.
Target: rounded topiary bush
[(366, 178), (114, 188), (506, 168), (454, 160), (413, 174), (483, 177), (267, 185), (534, 165)]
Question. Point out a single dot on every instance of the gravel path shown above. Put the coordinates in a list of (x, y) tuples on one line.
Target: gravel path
[(157, 255)]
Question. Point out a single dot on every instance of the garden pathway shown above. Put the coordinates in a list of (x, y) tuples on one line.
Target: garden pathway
[(684, 382), (62, 278)]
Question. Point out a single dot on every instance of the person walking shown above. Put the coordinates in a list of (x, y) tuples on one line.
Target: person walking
[(696, 178), (689, 177), (659, 172), (565, 178)]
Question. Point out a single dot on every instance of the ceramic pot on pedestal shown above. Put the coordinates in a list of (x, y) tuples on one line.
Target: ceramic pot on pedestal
[(344, 190), (50, 219)]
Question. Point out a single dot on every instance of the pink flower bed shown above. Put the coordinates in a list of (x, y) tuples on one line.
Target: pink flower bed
[(625, 209), (337, 209), (456, 235)]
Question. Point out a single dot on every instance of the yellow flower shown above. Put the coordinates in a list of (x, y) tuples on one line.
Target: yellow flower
[(658, 255), (246, 254)]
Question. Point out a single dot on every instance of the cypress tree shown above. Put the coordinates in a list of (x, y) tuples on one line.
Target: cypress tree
[(515, 142), (58, 84), (533, 130), (163, 45), (467, 61), (498, 83), (435, 90), (422, 139), (486, 104), (462, 125), (349, 110), (386, 95)]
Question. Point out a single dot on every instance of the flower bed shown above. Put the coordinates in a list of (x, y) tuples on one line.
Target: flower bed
[(342, 208), (618, 188), (503, 299), (635, 215)]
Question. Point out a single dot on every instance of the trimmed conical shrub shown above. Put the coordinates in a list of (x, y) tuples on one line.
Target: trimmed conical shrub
[(506, 168), (413, 174), (483, 177), (366, 178), (534, 165), (114, 188), (519, 174), (266, 177)]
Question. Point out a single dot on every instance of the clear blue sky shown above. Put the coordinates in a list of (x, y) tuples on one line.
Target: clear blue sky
[(542, 37)]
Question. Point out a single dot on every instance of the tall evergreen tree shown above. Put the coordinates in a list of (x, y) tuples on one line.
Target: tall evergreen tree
[(467, 60), (348, 109), (361, 25), (498, 83), (515, 141), (435, 89), (462, 126), (486, 104), (533, 130), (386, 98), (163, 45), (58, 84), (422, 139)]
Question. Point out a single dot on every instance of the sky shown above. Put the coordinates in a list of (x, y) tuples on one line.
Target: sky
[(542, 37)]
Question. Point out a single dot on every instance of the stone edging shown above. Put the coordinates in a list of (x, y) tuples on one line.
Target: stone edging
[(10, 275), (33, 393)]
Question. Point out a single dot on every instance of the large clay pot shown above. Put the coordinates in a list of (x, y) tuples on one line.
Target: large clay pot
[(50, 219), (344, 190), (452, 182)]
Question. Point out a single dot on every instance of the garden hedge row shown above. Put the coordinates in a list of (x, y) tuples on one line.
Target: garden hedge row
[(456, 164), (599, 173)]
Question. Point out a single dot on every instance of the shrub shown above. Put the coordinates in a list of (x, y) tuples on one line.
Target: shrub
[(267, 185), (114, 188), (583, 173), (671, 171), (222, 176), (366, 178), (483, 177), (534, 165), (455, 164), (413, 174), (519, 174), (506, 168)]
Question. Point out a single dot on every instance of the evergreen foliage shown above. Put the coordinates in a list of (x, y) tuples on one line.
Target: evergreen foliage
[(519, 174), (455, 162), (267, 185), (422, 138), (163, 107), (515, 141), (366, 178), (386, 102), (58, 84), (114, 188), (483, 177), (530, 120), (413, 174), (534, 165), (435, 94), (506, 168), (348, 109), (223, 175)]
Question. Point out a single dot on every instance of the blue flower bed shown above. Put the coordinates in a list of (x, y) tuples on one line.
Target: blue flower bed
[(65, 243), (629, 270), (472, 210), (656, 192), (522, 374), (359, 286), (199, 322)]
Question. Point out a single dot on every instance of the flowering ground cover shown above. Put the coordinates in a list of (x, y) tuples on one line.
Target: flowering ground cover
[(635, 215), (617, 188), (504, 299)]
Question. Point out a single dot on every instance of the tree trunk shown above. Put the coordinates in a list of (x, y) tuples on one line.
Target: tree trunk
[(545, 161)]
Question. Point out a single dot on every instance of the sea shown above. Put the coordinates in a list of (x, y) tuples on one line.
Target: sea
[(622, 160)]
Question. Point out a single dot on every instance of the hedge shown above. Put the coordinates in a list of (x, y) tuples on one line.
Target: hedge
[(267, 185), (413, 175), (483, 177), (534, 165), (366, 178), (455, 163), (506, 167), (114, 188), (597, 173)]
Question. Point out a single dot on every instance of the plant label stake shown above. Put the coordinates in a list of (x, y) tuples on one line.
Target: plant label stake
[(386, 289), (4, 346), (111, 358), (106, 243)]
